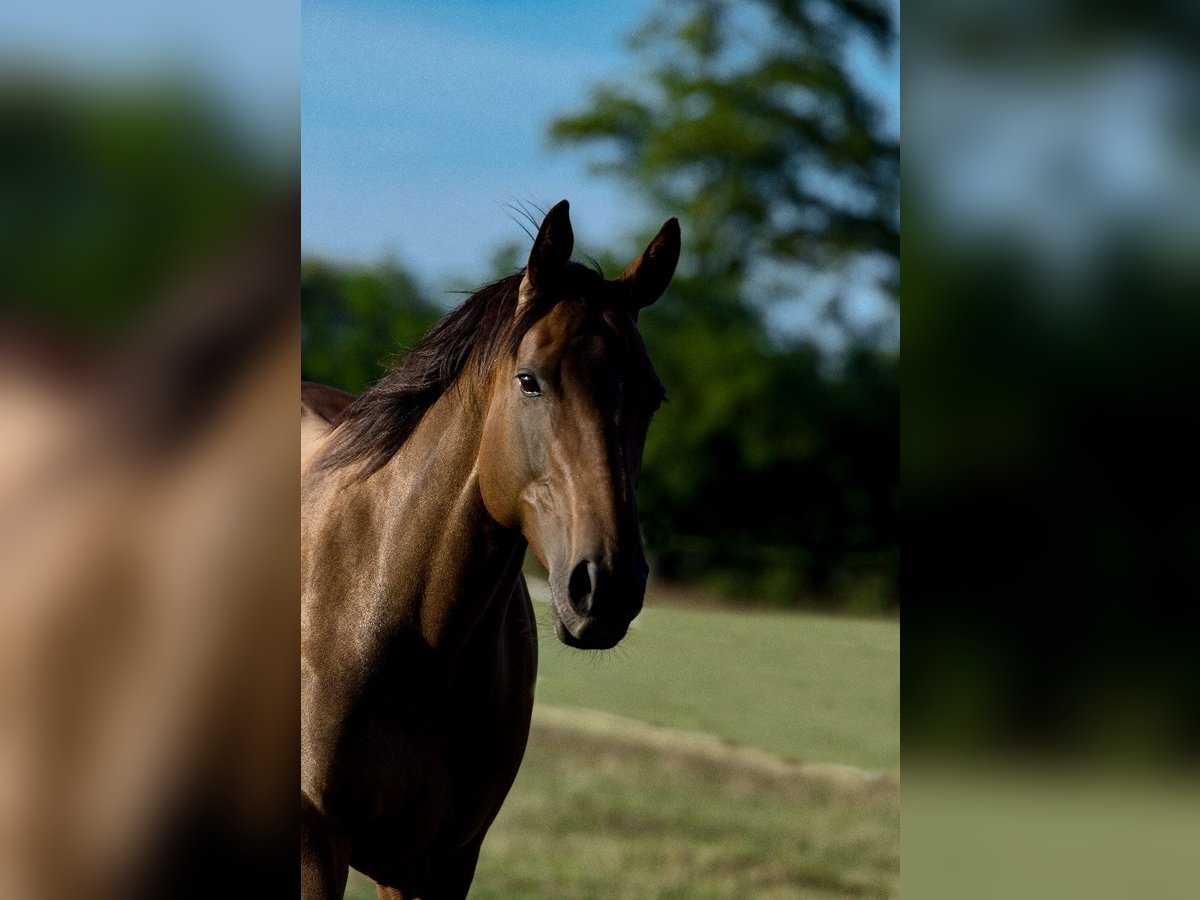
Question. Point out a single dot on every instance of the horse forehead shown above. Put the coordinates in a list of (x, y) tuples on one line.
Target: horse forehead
[(577, 325)]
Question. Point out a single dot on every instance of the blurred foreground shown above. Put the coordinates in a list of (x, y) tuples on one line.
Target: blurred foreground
[(149, 352)]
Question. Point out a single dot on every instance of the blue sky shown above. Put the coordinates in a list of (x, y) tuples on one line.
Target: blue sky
[(423, 121)]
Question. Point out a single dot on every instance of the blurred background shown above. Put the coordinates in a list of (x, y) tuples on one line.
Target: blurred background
[(1052, 273), (744, 740)]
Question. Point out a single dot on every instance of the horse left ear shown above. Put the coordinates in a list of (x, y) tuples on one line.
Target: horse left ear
[(647, 277)]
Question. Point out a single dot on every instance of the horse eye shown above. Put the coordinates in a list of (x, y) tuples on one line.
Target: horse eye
[(529, 385)]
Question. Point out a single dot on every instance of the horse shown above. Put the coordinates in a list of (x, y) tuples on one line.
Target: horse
[(518, 421)]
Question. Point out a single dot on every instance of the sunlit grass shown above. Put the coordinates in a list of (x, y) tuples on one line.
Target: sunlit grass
[(592, 816), (808, 687)]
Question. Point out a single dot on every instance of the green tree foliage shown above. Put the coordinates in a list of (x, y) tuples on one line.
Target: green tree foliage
[(773, 469), (768, 471), (113, 193), (748, 126), (354, 317)]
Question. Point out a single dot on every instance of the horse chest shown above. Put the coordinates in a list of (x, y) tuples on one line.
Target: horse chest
[(449, 765), (425, 755)]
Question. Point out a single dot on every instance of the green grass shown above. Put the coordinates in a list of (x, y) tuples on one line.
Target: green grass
[(594, 817), (807, 687), (706, 805)]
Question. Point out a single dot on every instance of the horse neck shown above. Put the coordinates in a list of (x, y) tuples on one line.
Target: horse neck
[(442, 560)]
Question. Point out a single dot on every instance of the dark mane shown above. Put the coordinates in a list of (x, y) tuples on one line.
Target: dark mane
[(486, 326)]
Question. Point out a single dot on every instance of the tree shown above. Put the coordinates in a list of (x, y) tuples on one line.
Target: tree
[(750, 127), (353, 317)]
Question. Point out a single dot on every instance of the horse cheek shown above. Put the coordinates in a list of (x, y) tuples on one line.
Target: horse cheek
[(499, 481)]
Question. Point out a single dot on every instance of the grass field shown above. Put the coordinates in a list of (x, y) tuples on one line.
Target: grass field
[(715, 754), (807, 687)]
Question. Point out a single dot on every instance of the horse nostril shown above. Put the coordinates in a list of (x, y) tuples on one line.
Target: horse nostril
[(579, 588)]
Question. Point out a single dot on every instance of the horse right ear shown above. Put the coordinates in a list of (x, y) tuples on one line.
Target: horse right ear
[(551, 252)]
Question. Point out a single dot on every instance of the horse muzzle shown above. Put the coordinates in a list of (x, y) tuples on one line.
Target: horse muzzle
[(595, 606)]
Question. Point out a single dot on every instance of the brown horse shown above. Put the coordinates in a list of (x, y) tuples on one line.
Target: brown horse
[(519, 421)]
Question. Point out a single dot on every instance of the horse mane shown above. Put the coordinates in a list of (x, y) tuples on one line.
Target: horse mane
[(484, 327)]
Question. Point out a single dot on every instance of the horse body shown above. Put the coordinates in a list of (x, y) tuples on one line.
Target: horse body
[(519, 421), (418, 684)]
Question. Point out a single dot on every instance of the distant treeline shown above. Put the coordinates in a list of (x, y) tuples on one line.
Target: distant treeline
[(771, 474)]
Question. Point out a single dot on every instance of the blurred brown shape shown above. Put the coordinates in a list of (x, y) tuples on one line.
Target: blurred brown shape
[(148, 540)]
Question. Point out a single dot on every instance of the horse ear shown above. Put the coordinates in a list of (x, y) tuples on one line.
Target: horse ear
[(647, 277), (551, 250)]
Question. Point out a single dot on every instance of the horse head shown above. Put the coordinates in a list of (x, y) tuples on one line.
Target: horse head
[(566, 424)]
